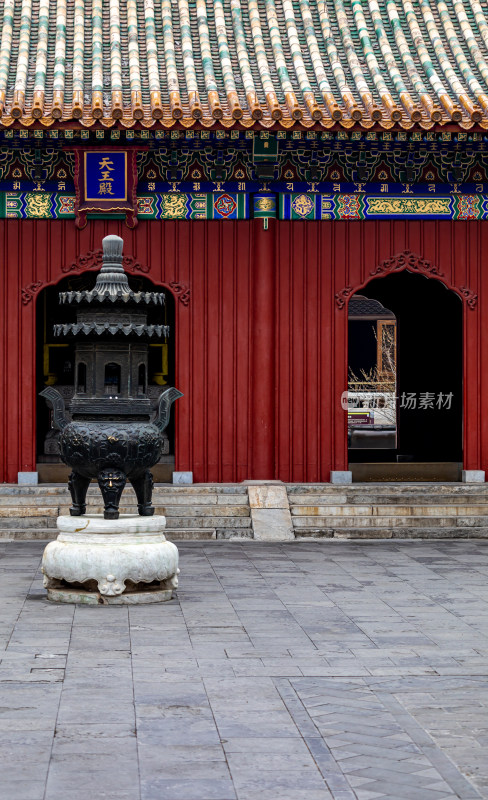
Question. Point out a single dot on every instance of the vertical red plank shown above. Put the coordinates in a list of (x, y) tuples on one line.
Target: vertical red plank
[(311, 353), (15, 373), (481, 336), (298, 327), (475, 382), (226, 351), (284, 380), (328, 270), (177, 240), (346, 271), (29, 244), (213, 333), (262, 317), (242, 346), (197, 354)]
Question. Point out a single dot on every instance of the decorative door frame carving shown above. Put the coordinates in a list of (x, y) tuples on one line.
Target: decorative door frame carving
[(411, 262)]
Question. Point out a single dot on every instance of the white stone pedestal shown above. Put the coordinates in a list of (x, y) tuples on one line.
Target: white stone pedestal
[(114, 562)]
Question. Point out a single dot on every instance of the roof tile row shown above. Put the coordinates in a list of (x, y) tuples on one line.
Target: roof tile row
[(248, 62)]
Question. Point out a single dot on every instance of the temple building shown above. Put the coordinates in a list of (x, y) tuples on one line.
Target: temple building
[(306, 182)]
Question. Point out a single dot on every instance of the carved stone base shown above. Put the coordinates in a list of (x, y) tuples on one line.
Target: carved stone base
[(96, 599), (99, 561)]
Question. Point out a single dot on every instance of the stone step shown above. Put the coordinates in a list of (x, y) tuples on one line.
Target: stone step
[(317, 510), (127, 500), (13, 489), (381, 489), (390, 510), (388, 522), (170, 499), (208, 522), (189, 534), (167, 511), (28, 534), (292, 489), (27, 511), (390, 500), (388, 488), (49, 534), (13, 523), (175, 523), (190, 510), (398, 533), (23, 511)]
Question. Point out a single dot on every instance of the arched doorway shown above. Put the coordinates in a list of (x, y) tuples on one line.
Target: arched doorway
[(55, 367), (410, 348)]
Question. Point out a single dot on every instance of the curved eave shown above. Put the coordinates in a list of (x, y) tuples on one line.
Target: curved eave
[(28, 123)]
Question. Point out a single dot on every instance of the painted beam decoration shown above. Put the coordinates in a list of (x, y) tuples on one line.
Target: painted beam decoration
[(54, 205), (231, 175), (227, 206), (302, 206), (105, 183), (176, 205), (36, 205)]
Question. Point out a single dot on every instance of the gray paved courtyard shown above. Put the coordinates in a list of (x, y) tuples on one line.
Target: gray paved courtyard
[(282, 672)]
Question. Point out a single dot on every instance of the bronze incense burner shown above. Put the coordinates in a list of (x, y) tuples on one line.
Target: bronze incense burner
[(111, 437)]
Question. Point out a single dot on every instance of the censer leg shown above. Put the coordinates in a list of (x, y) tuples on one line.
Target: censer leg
[(78, 486), (111, 483), (143, 486)]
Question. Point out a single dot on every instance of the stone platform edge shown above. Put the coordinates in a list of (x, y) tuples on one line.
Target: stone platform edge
[(273, 511)]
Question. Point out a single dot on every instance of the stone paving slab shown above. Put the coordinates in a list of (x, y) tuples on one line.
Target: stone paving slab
[(312, 671)]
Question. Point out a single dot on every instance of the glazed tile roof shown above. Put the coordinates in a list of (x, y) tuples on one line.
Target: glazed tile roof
[(249, 62)]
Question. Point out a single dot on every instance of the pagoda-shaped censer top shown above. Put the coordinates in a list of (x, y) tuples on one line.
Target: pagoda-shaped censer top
[(112, 284), (112, 307), (111, 335)]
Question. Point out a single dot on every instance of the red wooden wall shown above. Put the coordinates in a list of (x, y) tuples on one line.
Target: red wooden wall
[(316, 261), (261, 346)]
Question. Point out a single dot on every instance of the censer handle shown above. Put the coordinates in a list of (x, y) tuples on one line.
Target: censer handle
[(166, 400), (55, 399)]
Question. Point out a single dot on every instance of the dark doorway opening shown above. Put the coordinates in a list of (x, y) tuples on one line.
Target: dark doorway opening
[(427, 380), (55, 366)]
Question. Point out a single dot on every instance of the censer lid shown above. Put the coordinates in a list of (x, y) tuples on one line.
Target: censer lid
[(112, 284)]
